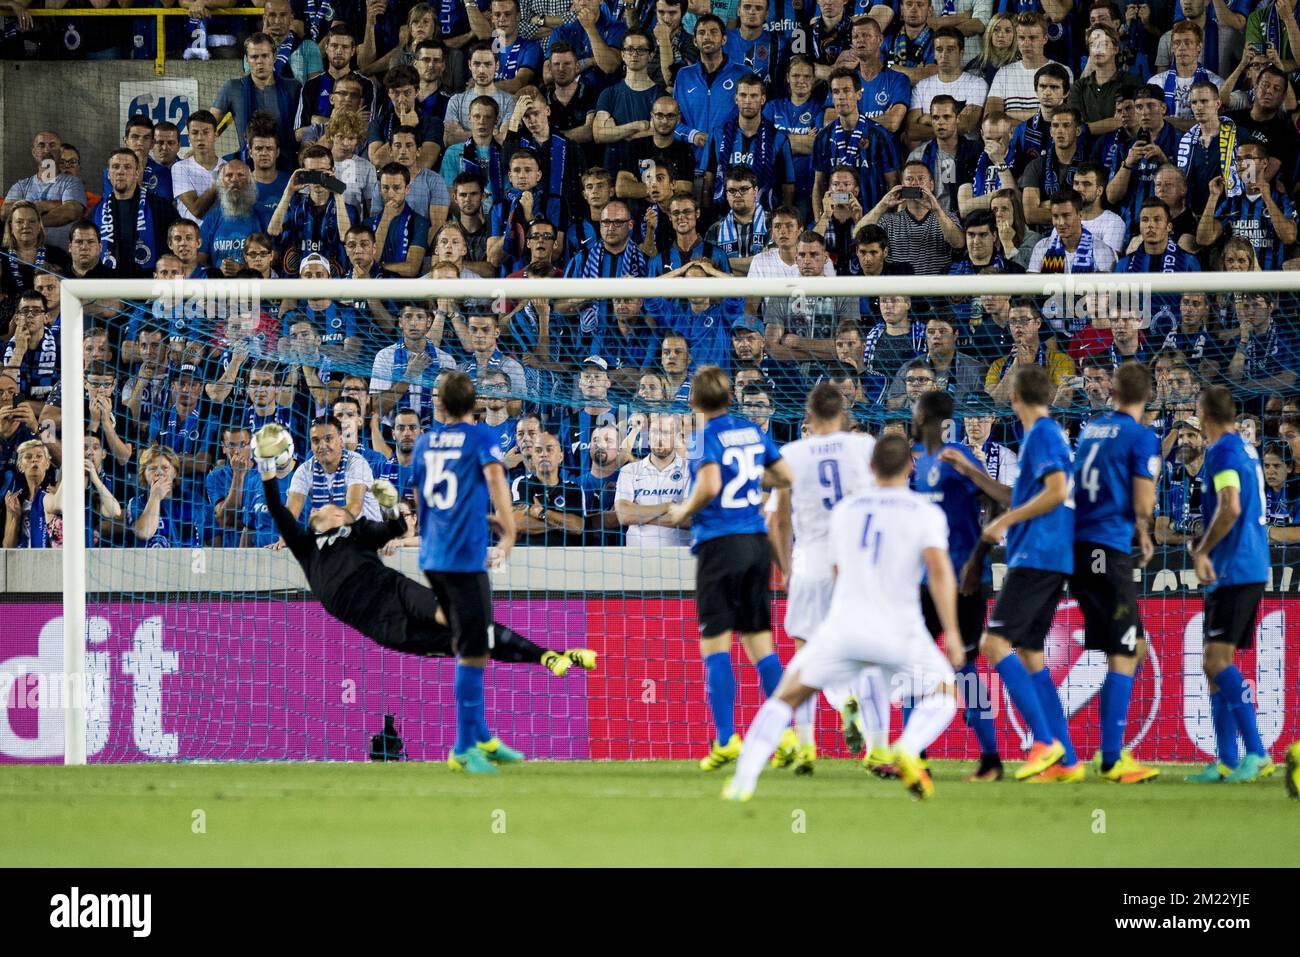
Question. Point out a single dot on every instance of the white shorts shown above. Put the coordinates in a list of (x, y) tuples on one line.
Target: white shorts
[(808, 600), (910, 661)]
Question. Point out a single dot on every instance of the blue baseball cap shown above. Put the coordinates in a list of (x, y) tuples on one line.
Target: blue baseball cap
[(747, 324)]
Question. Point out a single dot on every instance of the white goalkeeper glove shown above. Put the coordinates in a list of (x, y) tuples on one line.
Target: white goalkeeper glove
[(272, 449), (386, 496)]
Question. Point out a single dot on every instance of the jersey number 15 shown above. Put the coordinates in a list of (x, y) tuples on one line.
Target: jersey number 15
[(436, 473)]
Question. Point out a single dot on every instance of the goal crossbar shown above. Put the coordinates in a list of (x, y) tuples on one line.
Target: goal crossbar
[(74, 293)]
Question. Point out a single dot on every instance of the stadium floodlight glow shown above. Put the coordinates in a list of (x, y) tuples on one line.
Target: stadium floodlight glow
[(76, 293)]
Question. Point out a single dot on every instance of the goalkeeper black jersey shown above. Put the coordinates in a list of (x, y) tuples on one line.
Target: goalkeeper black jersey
[(343, 567)]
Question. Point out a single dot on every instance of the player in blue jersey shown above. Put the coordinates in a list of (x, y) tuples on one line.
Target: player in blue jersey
[(952, 490), (459, 474), (1115, 469), (733, 463), (1232, 562), (1037, 526)]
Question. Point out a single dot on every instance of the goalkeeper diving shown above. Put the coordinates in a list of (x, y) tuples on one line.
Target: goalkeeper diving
[(339, 555)]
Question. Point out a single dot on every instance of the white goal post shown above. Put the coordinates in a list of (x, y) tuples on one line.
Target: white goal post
[(76, 292)]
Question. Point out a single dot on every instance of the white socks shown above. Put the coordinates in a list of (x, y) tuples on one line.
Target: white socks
[(805, 721), (873, 705), (929, 718), (761, 740)]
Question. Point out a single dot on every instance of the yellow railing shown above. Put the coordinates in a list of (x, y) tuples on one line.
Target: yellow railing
[(158, 13)]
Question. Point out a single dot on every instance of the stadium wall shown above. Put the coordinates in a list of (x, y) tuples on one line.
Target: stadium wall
[(194, 660), (84, 102)]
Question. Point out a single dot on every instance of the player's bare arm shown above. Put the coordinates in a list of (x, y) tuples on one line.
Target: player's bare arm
[(1056, 490), (995, 490), (1225, 516), (708, 485)]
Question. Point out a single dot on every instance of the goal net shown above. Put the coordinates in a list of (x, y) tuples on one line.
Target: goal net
[(181, 632)]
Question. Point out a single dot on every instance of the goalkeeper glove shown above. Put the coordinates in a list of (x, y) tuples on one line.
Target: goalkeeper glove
[(272, 449), (386, 496)]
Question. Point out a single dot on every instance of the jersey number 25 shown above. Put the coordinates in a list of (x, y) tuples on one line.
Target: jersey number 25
[(746, 488)]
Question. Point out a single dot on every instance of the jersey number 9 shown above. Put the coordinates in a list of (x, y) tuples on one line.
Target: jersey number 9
[(437, 474), (828, 474)]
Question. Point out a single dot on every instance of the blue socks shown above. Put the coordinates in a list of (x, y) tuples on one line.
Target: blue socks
[(1020, 686), (769, 673), (1233, 688), (1055, 715), (1116, 693), (979, 720), (1225, 729), (470, 718), (721, 681)]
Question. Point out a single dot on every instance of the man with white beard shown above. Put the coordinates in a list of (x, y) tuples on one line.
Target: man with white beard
[(231, 219)]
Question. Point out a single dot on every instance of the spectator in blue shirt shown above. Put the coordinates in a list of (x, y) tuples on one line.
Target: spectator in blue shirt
[(1266, 357), (594, 35), (494, 401), (1260, 213), (397, 110), (519, 61), (157, 516), (1280, 494), (231, 219), (853, 139), (481, 343), (705, 91), (705, 322), (32, 355), (336, 322), (526, 198), (599, 482), (260, 90), (399, 468), (352, 429), (311, 222), (187, 429), (259, 527), (629, 344), (225, 486), (26, 524), (401, 233)]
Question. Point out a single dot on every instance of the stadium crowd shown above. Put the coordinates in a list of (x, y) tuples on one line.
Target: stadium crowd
[(658, 138)]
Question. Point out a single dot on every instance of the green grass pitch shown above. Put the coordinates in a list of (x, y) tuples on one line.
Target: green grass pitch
[(622, 814)]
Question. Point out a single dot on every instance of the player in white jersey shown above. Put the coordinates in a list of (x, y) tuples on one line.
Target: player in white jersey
[(828, 465), (882, 543)]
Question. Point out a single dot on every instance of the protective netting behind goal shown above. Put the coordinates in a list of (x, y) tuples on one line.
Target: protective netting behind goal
[(203, 643)]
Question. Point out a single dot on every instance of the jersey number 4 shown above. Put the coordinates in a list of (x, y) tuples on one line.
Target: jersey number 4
[(1091, 476), (440, 485), (870, 541), (746, 488)]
